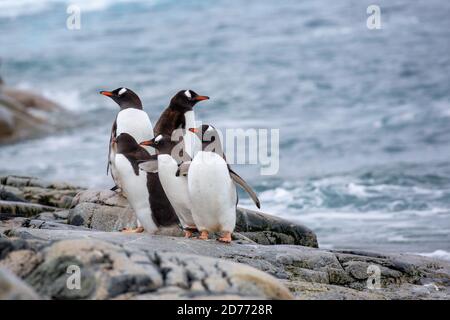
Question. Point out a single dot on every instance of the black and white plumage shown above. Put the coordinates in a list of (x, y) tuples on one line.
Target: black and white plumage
[(174, 186), (133, 181), (211, 186), (180, 115), (131, 119), (134, 121)]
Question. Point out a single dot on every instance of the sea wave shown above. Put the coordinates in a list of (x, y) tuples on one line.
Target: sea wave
[(413, 194), (438, 254), (71, 100)]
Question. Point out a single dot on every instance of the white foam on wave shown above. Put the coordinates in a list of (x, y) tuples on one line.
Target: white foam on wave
[(70, 99), (61, 158), (438, 254), (397, 238), (12, 9), (17, 8), (357, 190)]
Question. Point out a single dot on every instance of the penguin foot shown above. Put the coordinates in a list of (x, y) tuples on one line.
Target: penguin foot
[(203, 235), (226, 237), (131, 230)]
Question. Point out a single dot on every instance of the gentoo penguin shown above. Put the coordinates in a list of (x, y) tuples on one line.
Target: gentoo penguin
[(133, 181), (211, 142), (180, 115), (175, 187), (132, 119), (211, 185)]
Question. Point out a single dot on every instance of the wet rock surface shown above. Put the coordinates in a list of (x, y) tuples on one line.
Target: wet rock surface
[(39, 246)]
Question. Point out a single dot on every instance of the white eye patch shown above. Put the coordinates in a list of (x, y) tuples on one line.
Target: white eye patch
[(158, 138), (122, 91), (187, 94), (209, 129)]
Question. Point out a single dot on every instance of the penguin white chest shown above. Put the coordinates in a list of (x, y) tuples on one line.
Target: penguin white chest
[(176, 189), (191, 142), (135, 189), (212, 193), (136, 123)]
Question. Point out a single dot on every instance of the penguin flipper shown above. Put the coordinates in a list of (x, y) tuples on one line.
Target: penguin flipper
[(183, 168), (111, 138), (116, 187), (149, 166), (244, 185)]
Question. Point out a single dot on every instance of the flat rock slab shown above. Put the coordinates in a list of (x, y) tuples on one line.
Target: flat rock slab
[(106, 210), (23, 209), (113, 271), (308, 272)]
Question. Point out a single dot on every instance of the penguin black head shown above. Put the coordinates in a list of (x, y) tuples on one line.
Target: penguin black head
[(163, 143), (185, 100), (210, 138), (206, 133), (126, 143), (124, 97)]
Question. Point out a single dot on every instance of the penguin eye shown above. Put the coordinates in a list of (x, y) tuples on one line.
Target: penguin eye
[(158, 139)]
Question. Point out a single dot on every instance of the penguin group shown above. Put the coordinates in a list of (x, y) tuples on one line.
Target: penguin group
[(175, 172)]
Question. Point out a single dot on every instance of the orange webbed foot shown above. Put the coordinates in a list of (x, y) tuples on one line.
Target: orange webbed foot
[(203, 235), (225, 238), (133, 230)]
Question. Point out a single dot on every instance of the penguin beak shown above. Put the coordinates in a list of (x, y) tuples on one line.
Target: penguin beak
[(106, 93), (194, 130), (147, 143), (200, 98)]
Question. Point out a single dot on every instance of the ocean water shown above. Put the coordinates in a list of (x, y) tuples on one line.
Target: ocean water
[(364, 115)]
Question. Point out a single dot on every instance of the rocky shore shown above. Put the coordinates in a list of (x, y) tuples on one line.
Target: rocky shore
[(46, 227), (24, 114)]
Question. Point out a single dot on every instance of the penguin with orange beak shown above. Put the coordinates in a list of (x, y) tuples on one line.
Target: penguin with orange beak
[(134, 123), (211, 185), (180, 115)]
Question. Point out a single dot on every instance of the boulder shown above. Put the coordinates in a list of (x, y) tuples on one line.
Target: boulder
[(268, 229), (309, 273), (38, 191), (110, 271), (13, 288), (22, 209), (109, 211), (6, 122), (24, 114)]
